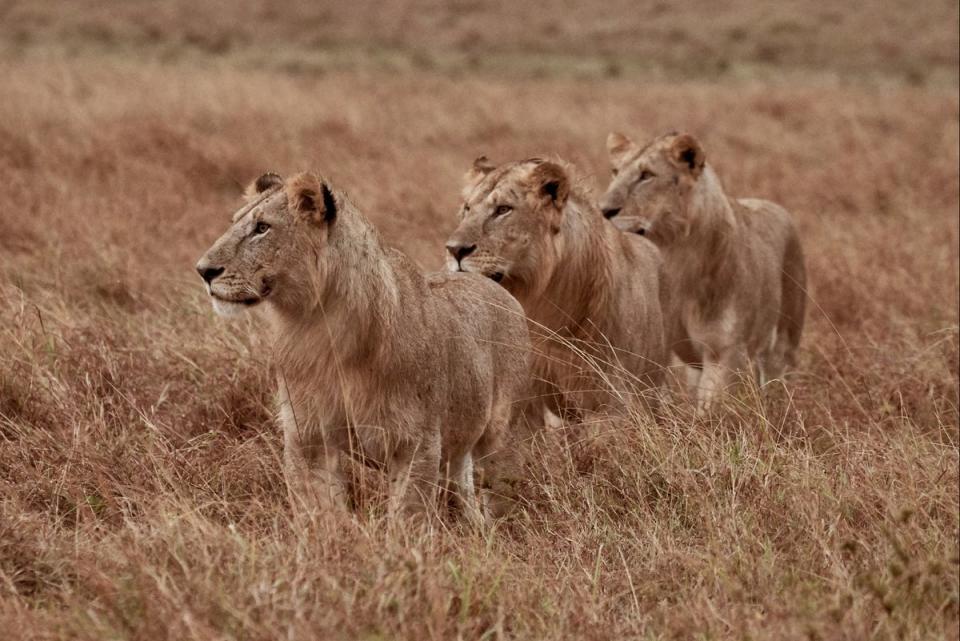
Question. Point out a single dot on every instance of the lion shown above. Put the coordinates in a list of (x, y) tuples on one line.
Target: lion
[(415, 373), (735, 268), (590, 292)]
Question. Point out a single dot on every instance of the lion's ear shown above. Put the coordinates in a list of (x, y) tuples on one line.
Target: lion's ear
[(481, 167), (309, 196), (618, 146), (267, 181), (552, 183), (686, 152)]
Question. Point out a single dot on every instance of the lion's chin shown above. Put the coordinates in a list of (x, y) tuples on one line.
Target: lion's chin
[(634, 229), (230, 308), (494, 276), (632, 226)]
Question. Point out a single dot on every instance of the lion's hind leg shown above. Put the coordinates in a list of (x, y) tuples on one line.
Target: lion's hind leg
[(500, 468), (793, 305)]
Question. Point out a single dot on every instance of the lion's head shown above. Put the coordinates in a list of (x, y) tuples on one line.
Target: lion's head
[(262, 255), (510, 223), (651, 187)]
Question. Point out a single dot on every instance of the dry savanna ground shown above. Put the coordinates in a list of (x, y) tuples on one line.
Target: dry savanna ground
[(141, 492)]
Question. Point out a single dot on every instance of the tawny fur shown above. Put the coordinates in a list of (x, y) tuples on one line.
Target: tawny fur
[(734, 268), (416, 372), (590, 292)]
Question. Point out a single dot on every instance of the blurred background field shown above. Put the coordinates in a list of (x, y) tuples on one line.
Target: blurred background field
[(739, 38), (141, 495)]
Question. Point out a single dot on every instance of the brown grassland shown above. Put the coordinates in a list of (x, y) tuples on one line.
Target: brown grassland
[(141, 491)]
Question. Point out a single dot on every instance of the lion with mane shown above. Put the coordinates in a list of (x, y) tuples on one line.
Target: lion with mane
[(418, 373), (591, 293)]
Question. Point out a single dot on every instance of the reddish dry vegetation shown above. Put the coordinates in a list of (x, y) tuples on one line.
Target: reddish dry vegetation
[(141, 494)]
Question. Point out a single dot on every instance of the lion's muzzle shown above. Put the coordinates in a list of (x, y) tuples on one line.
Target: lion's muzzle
[(208, 272)]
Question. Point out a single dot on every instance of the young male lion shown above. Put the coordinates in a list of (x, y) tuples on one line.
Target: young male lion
[(418, 373), (591, 293), (735, 267)]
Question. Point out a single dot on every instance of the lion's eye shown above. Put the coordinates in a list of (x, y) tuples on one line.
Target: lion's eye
[(614, 171), (261, 228), (644, 176), (502, 210)]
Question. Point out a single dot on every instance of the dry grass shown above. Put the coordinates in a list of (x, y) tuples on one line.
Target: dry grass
[(141, 495)]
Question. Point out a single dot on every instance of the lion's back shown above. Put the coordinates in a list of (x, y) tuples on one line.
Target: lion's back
[(484, 313), (481, 308)]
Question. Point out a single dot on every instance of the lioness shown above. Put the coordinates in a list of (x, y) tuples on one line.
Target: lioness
[(417, 373), (590, 292), (735, 267)]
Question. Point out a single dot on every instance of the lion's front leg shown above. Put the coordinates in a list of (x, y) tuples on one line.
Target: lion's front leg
[(312, 472), (718, 366), (683, 378), (414, 472), (712, 379), (461, 490)]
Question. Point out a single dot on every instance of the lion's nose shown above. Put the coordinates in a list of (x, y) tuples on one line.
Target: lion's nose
[(611, 212), (459, 250), (208, 273)]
